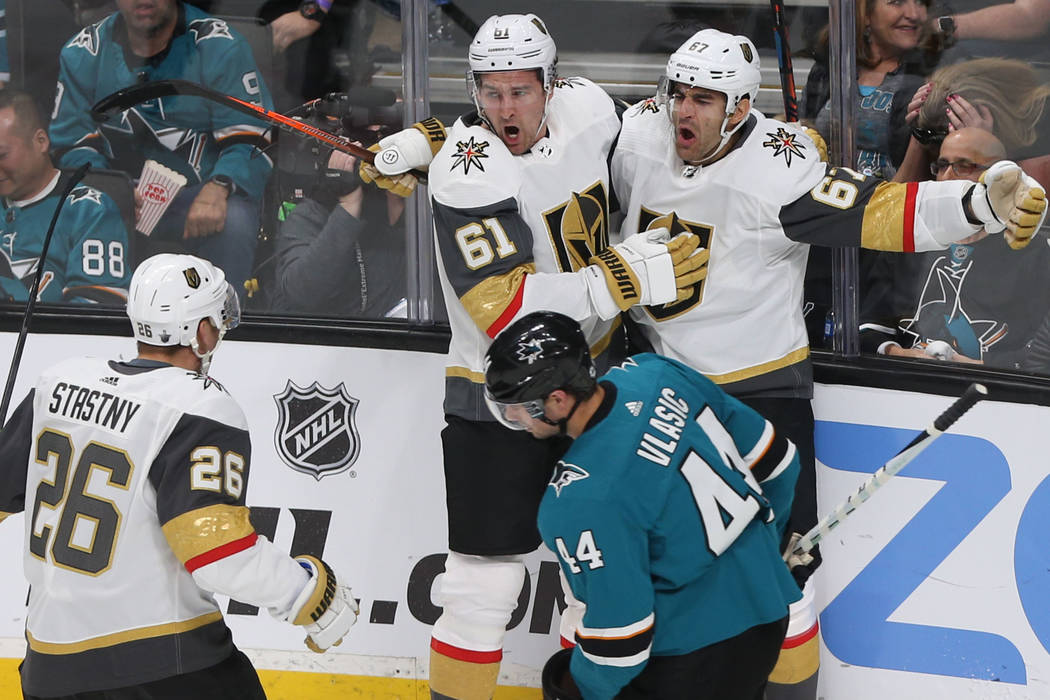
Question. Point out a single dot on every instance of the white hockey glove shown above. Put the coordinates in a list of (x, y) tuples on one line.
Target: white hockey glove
[(325, 607), (638, 271), (1006, 198), (409, 149)]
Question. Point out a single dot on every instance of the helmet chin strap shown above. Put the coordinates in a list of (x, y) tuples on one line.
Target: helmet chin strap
[(726, 135), (205, 357), (562, 424)]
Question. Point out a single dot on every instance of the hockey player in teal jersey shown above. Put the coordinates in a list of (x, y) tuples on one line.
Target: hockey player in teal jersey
[(666, 515), (87, 259)]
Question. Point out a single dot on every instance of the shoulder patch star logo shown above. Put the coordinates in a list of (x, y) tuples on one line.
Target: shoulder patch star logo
[(648, 105), (209, 28), (567, 82), (83, 192), (784, 143), (565, 474), (469, 153)]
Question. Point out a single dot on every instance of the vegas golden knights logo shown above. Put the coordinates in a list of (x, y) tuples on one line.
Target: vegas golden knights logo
[(648, 219), (579, 228), (192, 278)]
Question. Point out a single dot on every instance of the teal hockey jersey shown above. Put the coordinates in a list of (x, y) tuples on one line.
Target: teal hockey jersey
[(667, 515), (87, 260), (195, 137)]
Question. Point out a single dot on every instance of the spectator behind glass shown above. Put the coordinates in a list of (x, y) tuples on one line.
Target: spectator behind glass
[(890, 66), (217, 215), (87, 259), (961, 304), (1000, 95), (978, 28), (341, 251)]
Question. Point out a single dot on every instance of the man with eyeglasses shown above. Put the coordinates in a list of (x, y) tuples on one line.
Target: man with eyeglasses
[(959, 304)]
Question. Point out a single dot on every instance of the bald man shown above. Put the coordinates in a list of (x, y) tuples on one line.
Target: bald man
[(977, 302)]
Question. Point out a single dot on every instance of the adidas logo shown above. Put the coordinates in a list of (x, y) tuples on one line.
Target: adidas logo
[(635, 407), (109, 380)]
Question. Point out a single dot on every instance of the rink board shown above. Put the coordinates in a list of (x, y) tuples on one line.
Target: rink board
[(938, 588)]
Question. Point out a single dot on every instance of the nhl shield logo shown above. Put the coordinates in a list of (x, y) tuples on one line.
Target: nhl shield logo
[(316, 429)]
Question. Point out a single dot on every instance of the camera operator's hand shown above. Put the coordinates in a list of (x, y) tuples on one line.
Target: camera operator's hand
[(352, 200), (290, 28)]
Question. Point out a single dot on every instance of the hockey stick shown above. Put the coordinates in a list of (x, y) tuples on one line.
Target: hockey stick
[(787, 75), (128, 97), (20, 344), (973, 394)]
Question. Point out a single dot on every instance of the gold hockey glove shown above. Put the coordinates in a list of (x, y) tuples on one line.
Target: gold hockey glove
[(1006, 198)]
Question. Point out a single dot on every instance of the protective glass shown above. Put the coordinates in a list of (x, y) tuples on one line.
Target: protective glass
[(962, 168), (511, 415)]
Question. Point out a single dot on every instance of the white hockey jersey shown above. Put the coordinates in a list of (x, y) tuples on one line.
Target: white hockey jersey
[(756, 210), (509, 227), (133, 479)]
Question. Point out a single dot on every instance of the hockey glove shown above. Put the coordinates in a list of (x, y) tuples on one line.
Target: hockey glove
[(409, 149), (690, 262), (325, 607), (1006, 198), (637, 271), (401, 185), (801, 566)]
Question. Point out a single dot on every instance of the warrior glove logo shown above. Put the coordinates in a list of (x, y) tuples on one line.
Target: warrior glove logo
[(316, 429), (469, 153), (783, 143), (565, 474)]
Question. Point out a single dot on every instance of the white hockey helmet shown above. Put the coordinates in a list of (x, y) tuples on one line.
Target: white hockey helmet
[(718, 61), (510, 43), (170, 294)]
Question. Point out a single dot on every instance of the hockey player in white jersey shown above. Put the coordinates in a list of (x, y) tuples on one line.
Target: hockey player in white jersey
[(520, 193), (698, 157), (132, 476)]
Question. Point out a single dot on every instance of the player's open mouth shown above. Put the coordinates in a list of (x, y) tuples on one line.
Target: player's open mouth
[(511, 133), (686, 136)]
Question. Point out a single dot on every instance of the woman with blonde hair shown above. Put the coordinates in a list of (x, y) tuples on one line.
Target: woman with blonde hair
[(1000, 95)]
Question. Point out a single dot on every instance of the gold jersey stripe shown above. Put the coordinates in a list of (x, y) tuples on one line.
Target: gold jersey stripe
[(479, 377), (764, 368), (4, 515), (489, 298), (108, 640), (202, 530), (883, 225)]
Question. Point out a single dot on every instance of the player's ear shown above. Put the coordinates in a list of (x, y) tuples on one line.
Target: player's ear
[(743, 108)]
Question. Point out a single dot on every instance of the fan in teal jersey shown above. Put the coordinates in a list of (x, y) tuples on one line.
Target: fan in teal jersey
[(666, 515), (87, 260)]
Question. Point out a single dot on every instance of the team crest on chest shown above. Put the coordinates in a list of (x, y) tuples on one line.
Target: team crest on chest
[(469, 154), (579, 227), (565, 474), (316, 429), (785, 143)]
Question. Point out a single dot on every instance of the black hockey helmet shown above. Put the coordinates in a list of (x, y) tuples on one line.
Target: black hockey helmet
[(537, 354), (556, 680)]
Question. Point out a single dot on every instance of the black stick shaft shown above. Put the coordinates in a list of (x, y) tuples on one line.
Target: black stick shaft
[(20, 344)]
